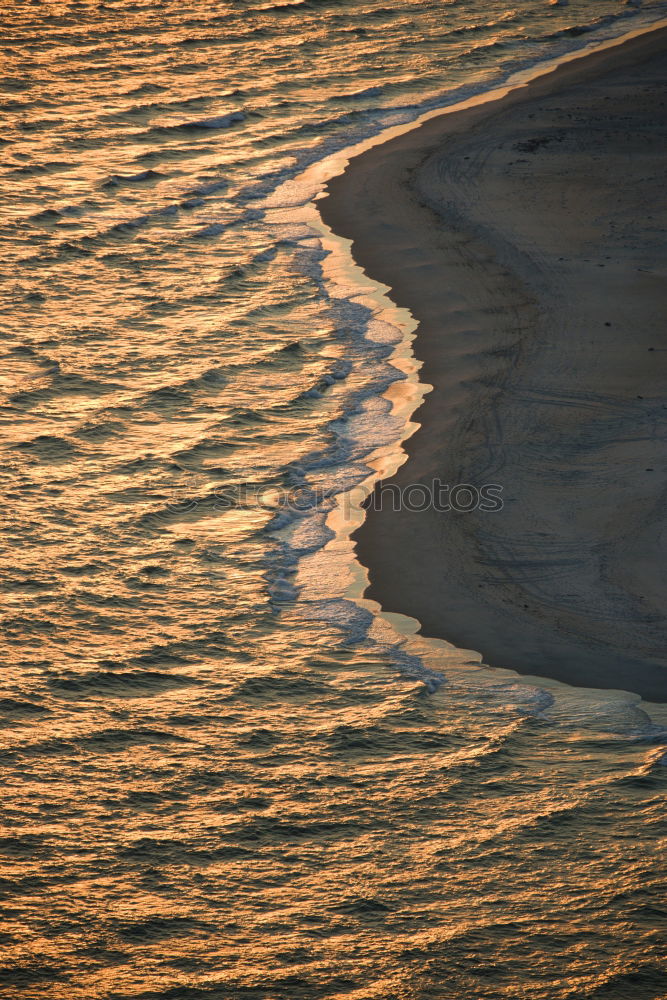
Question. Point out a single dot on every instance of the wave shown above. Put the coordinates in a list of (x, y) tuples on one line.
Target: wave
[(116, 683), (289, 5), (308, 532), (140, 178), (220, 121), (586, 27)]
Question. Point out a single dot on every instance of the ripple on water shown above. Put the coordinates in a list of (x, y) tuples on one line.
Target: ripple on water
[(217, 783)]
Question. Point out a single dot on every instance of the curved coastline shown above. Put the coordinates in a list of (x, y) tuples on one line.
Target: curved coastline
[(522, 589)]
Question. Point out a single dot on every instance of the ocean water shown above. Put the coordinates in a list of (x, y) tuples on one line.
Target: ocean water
[(225, 774)]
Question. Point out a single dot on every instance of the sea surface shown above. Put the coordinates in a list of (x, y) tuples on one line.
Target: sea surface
[(225, 775)]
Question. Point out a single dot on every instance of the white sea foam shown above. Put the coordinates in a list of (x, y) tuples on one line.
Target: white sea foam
[(373, 423)]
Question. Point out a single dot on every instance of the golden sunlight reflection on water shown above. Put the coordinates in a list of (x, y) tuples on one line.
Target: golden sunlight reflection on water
[(214, 786)]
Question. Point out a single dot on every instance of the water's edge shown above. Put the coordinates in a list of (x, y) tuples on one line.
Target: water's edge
[(422, 657)]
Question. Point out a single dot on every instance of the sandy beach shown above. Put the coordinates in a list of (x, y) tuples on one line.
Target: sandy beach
[(526, 236)]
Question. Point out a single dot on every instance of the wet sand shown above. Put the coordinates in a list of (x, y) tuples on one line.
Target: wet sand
[(526, 236)]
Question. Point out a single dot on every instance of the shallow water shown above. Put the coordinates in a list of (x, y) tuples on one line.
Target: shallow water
[(224, 777)]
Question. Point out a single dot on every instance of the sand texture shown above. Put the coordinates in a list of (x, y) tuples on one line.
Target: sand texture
[(527, 238)]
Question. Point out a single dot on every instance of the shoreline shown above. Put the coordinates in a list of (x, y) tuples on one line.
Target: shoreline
[(437, 229)]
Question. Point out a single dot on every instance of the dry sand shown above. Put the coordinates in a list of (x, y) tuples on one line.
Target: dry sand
[(527, 238)]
